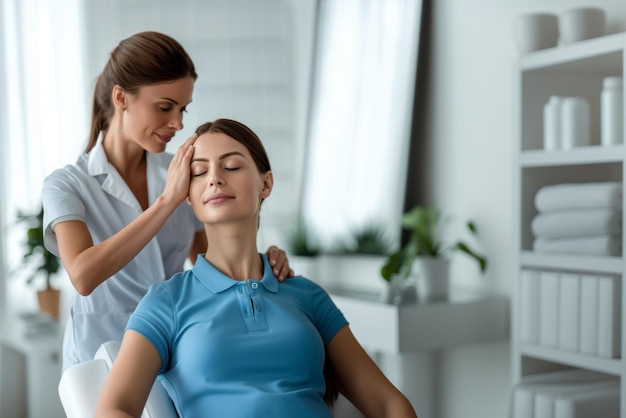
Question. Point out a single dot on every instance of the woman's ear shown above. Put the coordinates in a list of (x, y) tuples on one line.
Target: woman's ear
[(268, 184), (119, 97)]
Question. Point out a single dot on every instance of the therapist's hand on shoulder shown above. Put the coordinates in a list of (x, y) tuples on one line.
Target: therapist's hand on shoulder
[(279, 262)]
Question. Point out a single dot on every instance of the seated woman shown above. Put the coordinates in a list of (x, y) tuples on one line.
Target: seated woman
[(224, 338)]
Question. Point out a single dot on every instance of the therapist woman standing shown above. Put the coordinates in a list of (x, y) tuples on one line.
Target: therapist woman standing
[(117, 217)]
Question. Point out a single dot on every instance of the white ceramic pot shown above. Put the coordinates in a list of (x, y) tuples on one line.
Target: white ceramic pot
[(535, 31), (582, 23), (399, 291), (432, 277)]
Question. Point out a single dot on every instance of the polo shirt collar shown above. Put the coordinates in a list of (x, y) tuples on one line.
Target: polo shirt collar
[(218, 282), (98, 163)]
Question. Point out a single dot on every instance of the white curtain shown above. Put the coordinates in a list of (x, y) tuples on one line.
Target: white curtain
[(361, 116), (45, 104)]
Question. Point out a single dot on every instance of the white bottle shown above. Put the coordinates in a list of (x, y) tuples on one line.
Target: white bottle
[(612, 111), (552, 123), (575, 126)]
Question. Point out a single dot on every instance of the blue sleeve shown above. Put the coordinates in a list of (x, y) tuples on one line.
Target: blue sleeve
[(328, 318), (154, 319)]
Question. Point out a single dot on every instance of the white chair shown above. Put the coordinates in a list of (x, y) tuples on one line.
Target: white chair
[(81, 384)]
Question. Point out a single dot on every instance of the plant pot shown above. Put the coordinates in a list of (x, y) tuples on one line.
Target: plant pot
[(357, 272), (432, 277), (399, 291), (49, 300)]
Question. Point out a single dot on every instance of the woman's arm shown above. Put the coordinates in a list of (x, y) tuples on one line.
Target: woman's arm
[(88, 265), (360, 380), (129, 382)]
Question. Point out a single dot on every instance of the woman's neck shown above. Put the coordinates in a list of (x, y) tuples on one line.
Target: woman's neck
[(234, 254), (127, 157)]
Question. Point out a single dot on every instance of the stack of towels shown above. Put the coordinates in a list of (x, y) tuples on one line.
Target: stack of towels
[(579, 218)]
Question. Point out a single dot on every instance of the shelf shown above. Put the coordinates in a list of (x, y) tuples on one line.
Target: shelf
[(572, 262), (599, 364), (463, 318), (576, 156), (597, 55), (567, 70)]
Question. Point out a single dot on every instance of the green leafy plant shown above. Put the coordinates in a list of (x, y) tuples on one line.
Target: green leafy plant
[(37, 258), (302, 242), (370, 239), (424, 223)]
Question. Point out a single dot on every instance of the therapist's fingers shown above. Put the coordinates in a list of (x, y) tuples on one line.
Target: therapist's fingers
[(184, 152), (279, 262), (179, 171)]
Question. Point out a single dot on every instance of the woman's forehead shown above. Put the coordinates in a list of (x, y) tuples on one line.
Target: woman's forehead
[(180, 91), (217, 143)]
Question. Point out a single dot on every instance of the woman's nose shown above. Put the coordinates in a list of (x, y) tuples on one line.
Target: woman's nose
[(216, 180), (177, 121)]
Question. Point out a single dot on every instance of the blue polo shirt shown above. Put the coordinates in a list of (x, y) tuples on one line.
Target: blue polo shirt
[(240, 349)]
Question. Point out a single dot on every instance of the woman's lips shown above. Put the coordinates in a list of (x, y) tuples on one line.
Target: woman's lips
[(165, 138), (218, 198)]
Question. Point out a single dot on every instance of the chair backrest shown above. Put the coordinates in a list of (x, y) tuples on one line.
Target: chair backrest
[(81, 384), (80, 387)]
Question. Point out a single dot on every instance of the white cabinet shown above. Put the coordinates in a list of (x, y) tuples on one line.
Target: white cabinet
[(570, 70), (405, 340), (30, 369)]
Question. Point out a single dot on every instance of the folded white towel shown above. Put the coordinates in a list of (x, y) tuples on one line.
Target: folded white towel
[(601, 245), (579, 195), (577, 223)]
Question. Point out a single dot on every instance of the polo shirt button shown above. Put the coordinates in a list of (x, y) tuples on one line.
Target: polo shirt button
[(255, 285), (260, 308)]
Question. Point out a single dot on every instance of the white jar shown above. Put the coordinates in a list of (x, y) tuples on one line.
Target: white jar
[(612, 111), (575, 126), (552, 123)]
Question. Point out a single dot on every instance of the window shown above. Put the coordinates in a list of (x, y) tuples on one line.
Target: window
[(45, 106), (358, 137)]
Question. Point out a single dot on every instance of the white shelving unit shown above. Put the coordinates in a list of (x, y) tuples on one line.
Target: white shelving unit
[(570, 70)]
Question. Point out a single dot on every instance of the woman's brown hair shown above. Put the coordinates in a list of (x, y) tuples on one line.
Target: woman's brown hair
[(142, 59), (240, 133)]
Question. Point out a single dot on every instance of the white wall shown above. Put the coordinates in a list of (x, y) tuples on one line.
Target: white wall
[(472, 128)]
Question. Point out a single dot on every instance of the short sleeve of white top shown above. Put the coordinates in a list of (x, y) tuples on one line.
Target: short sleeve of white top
[(92, 191)]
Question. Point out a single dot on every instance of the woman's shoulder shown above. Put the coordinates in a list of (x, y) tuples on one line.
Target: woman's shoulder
[(175, 284), (302, 282), (68, 174)]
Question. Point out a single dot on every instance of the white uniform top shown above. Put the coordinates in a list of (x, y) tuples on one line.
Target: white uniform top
[(92, 191)]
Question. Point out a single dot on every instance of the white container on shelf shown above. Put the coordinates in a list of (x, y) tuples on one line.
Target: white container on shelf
[(552, 123), (575, 126), (535, 31), (612, 111), (581, 23)]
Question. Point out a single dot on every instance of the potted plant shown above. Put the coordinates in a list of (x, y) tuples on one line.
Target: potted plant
[(303, 247), (425, 224), (40, 262), (369, 239), (353, 262)]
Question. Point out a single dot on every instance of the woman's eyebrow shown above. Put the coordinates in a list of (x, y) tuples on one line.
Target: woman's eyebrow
[(223, 156), (169, 100)]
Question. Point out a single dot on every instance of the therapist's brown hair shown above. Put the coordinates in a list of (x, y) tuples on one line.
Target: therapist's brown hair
[(142, 59)]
